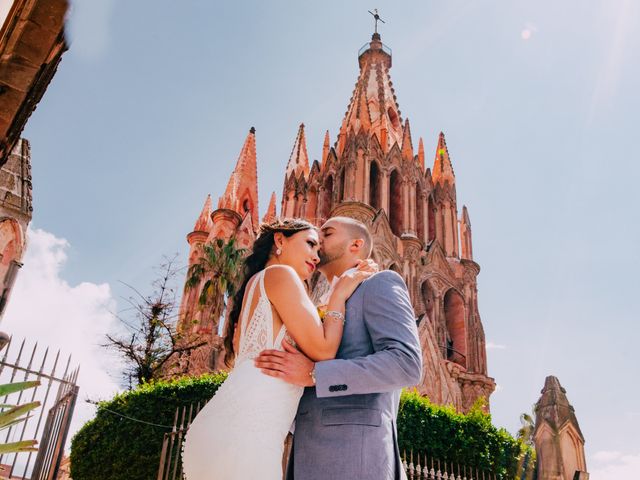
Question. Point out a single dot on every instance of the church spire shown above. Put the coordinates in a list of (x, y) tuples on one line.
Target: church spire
[(271, 211), (241, 194), (421, 154), (299, 160), (442, 168), (204, 223), (373, 108)]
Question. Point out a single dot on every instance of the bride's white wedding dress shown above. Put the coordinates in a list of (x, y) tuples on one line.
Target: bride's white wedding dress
[(240, 433)]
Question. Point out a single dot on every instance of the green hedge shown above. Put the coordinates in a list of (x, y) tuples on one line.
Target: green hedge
[(467, 439), (114, 447)]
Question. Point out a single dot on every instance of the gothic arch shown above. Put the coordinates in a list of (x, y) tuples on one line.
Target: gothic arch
[(456, 339), (395, 202), (374, 185), (342, 181)]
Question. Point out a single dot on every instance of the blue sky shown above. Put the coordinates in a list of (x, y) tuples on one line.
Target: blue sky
[(538, 101)]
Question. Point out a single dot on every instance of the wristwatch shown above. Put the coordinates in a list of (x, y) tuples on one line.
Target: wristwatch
[(312, 374)]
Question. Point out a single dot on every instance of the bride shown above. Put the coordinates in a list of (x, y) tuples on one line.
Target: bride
[(240, 433)]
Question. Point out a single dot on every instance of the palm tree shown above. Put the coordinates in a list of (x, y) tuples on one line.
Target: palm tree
[(526, 468), (528, 421), (220, 269), (11, 415)]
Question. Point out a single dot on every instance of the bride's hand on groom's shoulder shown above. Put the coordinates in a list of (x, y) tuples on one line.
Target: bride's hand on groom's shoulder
[(352, 278)]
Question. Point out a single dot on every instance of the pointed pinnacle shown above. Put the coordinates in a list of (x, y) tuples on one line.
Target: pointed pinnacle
[(204, 222), (271, 210), (421, 153), (299, 159), (325, 147), (407, 147)]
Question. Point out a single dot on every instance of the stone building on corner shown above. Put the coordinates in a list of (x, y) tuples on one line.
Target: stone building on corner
[(372, 172), (32, 42)]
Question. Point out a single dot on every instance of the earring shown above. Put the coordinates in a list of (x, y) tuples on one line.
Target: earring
[(278, 252)]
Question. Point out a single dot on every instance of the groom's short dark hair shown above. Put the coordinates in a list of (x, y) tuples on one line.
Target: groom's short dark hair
[(358, 230)]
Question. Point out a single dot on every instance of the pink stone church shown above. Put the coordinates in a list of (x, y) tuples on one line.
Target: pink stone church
[(372, 173)]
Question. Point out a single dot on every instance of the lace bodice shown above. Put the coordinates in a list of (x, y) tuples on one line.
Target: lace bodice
[(256, 333)]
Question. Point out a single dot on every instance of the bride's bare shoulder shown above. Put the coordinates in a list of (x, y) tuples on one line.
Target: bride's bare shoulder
[(280, 278)]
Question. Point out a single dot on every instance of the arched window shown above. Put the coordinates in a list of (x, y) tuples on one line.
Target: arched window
[(456, 338), (374, 186), (245, 205), (395, 203), (341, 191)]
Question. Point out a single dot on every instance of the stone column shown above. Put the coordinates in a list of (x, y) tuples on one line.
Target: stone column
[(406, 224), (448, 231), (454, 225), (425, 215), (366, 183), (412, 209), (384, 191)]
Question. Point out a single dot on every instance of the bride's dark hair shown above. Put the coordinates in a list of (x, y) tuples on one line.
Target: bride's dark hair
[(253, 263)]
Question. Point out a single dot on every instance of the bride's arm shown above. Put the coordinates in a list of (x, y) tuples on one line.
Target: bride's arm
[(319, 341)]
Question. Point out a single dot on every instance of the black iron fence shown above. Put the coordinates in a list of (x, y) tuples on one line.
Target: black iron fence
[(49, 423), (170, 458), (417, 467)]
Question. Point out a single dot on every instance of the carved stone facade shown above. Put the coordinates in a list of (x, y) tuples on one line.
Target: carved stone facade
[(372, 173)]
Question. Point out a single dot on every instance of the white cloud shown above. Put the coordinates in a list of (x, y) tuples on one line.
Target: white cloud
[(44, 308), (611, 464), (495, 346)]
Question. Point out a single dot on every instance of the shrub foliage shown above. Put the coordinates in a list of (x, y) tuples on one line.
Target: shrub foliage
[(468, 439), (113, 446)]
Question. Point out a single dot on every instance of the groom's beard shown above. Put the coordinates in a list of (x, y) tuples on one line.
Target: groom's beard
[(331, 255)]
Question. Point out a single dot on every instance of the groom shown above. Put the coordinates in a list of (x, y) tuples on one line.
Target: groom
[(346, 421)]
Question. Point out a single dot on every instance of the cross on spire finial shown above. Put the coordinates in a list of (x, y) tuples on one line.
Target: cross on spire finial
[(376, 17)]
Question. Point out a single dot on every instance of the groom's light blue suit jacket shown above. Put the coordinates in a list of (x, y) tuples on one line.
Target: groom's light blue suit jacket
[(346, 425)]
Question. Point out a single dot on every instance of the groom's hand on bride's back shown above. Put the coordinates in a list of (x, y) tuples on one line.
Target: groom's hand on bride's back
[(291, 365)]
